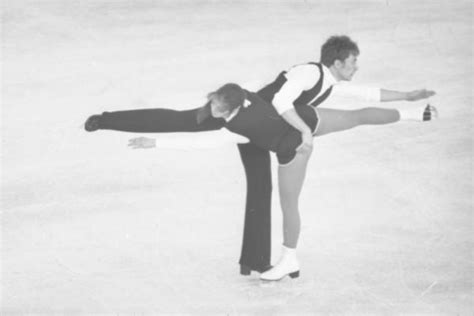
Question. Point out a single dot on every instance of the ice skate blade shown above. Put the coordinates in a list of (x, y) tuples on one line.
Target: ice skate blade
[(295, 274), (292, 275)]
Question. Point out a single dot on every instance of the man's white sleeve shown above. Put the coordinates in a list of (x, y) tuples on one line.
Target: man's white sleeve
[(363, 93), (200, 140), (299, 79)]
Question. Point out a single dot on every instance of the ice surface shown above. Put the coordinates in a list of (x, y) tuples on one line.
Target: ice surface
[(90, 226)]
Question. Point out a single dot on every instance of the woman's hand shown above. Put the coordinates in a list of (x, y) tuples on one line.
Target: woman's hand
[(142, 142)]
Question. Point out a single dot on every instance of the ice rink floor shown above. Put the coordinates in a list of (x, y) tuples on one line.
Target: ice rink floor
[(91, 226)]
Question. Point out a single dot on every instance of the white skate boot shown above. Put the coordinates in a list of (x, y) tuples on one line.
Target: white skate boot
[(288, 265)]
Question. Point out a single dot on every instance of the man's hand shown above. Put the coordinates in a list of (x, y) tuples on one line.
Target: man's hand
[(307, 142), (293, 118), (419, 94), (141, 142)]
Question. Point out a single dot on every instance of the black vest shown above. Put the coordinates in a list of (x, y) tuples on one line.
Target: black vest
[(261, 123), (268, 92)]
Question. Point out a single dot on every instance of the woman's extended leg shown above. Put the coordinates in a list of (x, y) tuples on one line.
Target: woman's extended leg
[(331, 120)]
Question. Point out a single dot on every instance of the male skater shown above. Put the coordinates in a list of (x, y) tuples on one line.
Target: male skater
[(309, 84)]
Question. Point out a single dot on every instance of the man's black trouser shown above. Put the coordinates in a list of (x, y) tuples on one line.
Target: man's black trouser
[(256, 245)]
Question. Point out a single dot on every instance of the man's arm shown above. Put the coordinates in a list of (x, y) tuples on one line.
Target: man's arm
[(389, 95), (372, 94), (297, 122), (186, 141), (299, 78)]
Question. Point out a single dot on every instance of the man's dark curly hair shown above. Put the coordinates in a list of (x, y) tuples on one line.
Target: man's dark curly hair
[(338, 48)]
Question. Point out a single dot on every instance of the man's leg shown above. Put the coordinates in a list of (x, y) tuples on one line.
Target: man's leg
[(256, 245), (158, 120)]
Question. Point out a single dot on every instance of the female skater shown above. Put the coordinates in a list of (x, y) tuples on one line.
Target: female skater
[(310, 84), (251, 119)]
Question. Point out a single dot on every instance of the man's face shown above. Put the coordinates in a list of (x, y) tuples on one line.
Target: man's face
[(347, 68), (218, 108)]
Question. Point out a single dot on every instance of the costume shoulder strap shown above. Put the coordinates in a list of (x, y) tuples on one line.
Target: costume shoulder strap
[(307, 96)]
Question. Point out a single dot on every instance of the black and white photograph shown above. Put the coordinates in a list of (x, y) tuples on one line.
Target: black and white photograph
[(236, 157)]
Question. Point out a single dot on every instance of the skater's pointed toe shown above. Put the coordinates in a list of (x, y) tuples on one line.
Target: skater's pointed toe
[(92, 124), (430, 113)]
